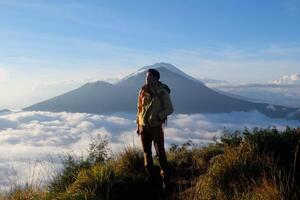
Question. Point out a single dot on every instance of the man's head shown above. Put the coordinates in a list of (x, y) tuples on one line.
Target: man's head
[(152, 76)]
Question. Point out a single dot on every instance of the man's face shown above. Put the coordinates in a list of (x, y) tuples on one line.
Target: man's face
[(150, 79)]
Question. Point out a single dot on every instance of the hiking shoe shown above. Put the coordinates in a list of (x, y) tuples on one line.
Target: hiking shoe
[(165, 183), (148, 179)]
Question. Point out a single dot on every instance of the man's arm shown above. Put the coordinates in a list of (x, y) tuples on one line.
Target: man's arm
[(139, 107)]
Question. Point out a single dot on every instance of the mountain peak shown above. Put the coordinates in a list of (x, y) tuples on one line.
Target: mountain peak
[(167, 66), (161, 64)]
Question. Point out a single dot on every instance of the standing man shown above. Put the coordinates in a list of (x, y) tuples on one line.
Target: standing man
[(154, 105)]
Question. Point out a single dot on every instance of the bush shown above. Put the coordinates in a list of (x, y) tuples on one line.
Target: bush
[(233, 139), (258, 165), (181, 156), (71, 167), (189, 156), (98, 151), (105, 179), (129, 162)]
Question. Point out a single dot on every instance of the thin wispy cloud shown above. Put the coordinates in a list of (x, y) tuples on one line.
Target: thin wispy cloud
[(102, 54), (60, 10), (108, 62), (88, 15), (281, 52)]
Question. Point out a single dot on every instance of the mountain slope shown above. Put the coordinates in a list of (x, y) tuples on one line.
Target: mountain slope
[(188, 95)]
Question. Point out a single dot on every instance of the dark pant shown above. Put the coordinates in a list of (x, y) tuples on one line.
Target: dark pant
[(156, 135)]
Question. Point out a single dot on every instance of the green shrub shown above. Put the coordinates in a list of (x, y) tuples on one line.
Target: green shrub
[(129, 162), (105, 179), (180, 156), (190, 156), (71, 167), (258, 165), (233, 139), (282, 146), (98, 151)]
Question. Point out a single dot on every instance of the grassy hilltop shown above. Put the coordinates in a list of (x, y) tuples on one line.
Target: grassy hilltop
[(259, 164)]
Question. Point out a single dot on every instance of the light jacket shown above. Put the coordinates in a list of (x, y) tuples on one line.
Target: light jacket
[(154, 105)]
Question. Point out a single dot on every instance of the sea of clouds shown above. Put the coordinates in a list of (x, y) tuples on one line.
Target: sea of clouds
[(283, 91), (33, 144)]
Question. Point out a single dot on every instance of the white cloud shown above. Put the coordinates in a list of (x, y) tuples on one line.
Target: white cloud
[(295, 77), (288, 79), (34, 142), (285, 91)]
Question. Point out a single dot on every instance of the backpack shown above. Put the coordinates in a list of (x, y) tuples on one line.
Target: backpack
[(160, 97)]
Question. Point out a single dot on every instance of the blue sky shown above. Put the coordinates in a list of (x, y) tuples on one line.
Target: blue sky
[(62, 44)]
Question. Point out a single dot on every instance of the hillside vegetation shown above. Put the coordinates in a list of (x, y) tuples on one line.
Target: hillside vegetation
[(259, 164)]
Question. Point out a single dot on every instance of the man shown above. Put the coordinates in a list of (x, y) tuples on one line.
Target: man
[(154, 105)]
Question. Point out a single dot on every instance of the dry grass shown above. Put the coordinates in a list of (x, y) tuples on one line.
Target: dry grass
[(250, 170), (26, 194)]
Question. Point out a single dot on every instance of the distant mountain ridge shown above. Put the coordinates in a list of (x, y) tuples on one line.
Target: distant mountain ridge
[(189, 95), (4, 111)]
